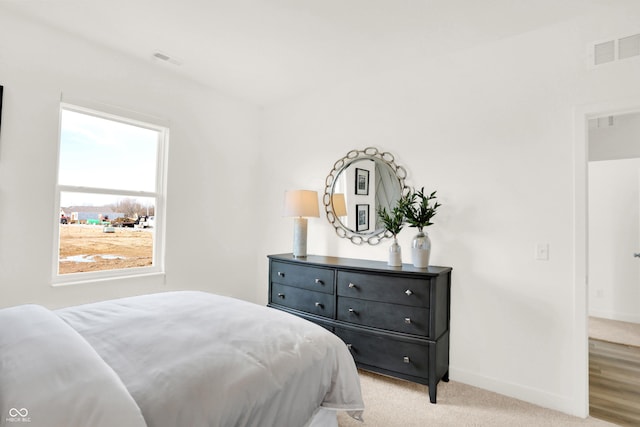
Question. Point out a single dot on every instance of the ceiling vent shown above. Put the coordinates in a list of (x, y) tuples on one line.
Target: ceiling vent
[(614, 50), (166, 58)]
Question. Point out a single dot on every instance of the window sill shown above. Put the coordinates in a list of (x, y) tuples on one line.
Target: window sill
[(92, 280)]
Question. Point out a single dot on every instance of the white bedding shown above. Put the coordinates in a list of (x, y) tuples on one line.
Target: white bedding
[(50, 376), (198, 359)]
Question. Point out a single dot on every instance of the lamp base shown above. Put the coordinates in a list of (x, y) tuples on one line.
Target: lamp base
[(300, 237)]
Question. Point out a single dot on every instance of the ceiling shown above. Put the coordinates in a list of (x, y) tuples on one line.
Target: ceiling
[(265, 51)]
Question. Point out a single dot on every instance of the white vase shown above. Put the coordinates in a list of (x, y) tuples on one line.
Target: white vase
[(420, 250), (395, 254)]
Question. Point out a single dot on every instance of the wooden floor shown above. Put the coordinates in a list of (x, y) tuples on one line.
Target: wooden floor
[(614, 382)]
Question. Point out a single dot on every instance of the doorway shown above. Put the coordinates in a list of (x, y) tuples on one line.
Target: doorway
[(613, 266), (614, 217), (580, 345)]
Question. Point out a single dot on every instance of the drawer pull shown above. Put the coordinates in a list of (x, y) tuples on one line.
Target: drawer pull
[(406, 359), (320, 282), (352, 311), (281, 296), (353, 286), (407, 320), (408, 292), (319, 305), (350, 346), (280, 273)]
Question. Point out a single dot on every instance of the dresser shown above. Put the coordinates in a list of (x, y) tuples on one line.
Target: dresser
[(394, 320)]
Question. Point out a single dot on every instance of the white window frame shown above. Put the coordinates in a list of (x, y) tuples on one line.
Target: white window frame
[(135, 119)]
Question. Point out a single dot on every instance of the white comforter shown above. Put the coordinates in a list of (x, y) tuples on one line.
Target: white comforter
[(198, 359), (51, 377)]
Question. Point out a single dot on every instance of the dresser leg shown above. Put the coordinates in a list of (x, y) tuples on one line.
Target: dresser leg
[(432, 393), (445, 377)]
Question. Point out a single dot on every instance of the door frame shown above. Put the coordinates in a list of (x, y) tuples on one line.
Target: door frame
[(582, 114)]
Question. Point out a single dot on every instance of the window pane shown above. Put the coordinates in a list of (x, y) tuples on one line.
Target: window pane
[(105, 232), (101, 153)]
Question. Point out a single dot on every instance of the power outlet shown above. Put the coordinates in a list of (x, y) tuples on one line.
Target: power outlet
[(542, 251)]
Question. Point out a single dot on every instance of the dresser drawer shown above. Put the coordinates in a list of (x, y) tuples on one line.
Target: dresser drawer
[(394, 317), (387, 353), (303, 276), (318, 303), (384, 288)]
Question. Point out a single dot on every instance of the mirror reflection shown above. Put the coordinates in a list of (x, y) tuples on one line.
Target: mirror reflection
[(359, 185)]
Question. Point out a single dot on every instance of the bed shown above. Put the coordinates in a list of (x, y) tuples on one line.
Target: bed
[(171, 359)]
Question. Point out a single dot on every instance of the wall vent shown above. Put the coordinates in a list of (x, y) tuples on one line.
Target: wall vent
[(614, 50), (604, 52), (629, 46)]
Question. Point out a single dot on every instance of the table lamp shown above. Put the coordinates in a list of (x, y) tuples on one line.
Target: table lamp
[(300, 204)]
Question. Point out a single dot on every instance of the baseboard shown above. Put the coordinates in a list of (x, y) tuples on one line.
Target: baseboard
[(517, 391)]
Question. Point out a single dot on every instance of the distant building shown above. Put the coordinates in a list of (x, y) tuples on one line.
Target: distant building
[(81, 214)]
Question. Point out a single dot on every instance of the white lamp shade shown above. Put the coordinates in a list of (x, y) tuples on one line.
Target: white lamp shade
[(339, 204), (301, 203)]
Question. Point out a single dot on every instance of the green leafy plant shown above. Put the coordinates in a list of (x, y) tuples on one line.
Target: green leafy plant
[(393, 221), (419, 208)]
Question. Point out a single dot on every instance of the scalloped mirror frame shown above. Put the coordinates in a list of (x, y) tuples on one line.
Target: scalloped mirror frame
[(370, 153)]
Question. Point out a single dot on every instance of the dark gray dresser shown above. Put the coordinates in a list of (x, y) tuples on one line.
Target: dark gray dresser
[(395, 320)]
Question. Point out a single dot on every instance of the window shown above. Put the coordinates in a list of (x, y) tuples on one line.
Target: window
[(110, 195)]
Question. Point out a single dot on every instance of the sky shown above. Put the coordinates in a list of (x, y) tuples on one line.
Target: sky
[(107, 154)]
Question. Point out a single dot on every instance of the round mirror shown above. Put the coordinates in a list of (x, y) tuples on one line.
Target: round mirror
[(360, 184)]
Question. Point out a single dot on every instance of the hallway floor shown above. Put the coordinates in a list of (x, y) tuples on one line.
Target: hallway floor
[(614, 371), (614, 331)]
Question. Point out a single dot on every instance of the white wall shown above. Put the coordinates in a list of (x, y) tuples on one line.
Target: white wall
[(491, 129), (212, 167)]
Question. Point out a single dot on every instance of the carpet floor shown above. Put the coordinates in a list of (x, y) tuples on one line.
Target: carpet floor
[(390, 402)]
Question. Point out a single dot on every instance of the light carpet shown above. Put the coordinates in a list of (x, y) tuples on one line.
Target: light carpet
[(390, 402)]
